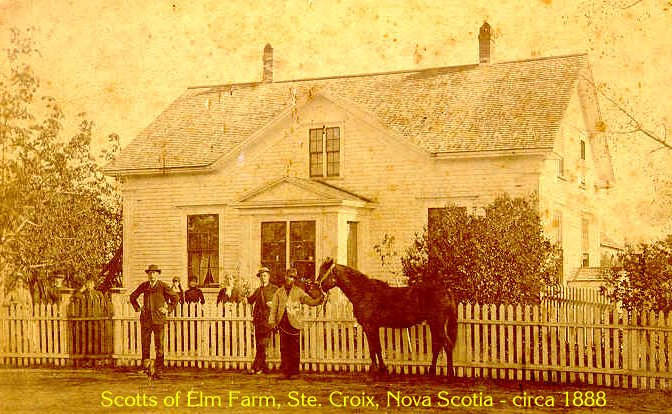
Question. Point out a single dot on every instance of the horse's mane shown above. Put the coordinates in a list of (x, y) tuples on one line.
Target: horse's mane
[(363, 280)]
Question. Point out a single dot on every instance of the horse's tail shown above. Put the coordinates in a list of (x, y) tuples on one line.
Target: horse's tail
[(450, 327)]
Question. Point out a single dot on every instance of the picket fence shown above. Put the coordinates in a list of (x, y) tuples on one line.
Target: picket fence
[(560, 341)]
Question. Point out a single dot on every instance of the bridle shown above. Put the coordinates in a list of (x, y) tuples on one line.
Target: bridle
[(326, 274)]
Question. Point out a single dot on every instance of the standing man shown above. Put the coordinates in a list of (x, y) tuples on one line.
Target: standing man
[(157, 298), (286, 315), (261, 300)]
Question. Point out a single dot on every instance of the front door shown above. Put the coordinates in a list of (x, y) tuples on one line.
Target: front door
[(295, 240)]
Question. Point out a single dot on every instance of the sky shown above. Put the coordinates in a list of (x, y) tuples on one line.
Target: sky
[(123, 62)]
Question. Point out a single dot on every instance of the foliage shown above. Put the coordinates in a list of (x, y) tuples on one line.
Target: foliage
[(499, 257), (388, 254), (645, 281), (58, 211)]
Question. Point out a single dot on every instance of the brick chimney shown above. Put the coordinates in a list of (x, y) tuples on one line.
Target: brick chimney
[(486, 44), (267, 76)]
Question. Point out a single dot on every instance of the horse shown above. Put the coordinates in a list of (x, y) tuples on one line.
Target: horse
[(376, 304)]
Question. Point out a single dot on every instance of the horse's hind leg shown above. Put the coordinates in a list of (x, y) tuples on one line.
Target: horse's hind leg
[(437, 345), (449, 341)]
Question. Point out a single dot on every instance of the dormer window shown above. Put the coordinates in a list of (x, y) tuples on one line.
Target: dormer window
[(325, 152)]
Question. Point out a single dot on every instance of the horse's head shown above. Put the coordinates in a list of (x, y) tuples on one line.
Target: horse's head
[(311, 287), (327, 277)]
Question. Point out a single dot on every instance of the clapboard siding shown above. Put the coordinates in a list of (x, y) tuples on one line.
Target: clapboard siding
[(401, 180), (564, 193)]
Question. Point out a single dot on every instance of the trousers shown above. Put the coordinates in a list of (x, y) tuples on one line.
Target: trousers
[(261, 337), (289, 347), (146, 332)]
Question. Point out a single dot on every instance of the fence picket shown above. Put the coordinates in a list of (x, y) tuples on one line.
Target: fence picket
[(574, 335)]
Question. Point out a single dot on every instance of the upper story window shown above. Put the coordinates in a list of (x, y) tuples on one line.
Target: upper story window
[(325, 152), (583, 150)]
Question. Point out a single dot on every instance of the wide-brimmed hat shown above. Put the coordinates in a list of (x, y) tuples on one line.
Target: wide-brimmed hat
[(153, 268), (263, 269)]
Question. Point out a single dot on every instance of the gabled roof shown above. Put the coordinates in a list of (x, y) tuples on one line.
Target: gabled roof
[(294, 191), (503, 106)]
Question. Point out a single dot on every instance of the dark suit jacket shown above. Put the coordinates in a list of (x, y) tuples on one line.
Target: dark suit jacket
[(157, 302), (261, 299)]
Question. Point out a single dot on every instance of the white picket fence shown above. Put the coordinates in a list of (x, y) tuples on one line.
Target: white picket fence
[(559, 341)]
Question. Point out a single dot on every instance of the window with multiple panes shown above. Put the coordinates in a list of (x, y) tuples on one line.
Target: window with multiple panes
[(585, 242), (325, 151), (557, 226), (557, 229), (582, 165), (203, 248), (295, 240)]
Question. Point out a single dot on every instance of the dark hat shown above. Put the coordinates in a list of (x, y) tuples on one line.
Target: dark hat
[(263, 269), (153, 268), (292, 272)]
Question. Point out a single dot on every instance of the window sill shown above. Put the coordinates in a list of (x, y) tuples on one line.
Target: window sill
[(339, 178)]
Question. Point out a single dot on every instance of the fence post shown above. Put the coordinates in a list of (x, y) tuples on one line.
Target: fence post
[(118, 297)]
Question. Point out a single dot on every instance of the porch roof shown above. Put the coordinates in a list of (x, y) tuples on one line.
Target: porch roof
[(294, 191)]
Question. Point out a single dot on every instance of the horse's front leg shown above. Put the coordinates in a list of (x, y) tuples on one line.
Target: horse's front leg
[(373, 338)]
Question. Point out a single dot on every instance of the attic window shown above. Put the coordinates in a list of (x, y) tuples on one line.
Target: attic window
[(325, 151)]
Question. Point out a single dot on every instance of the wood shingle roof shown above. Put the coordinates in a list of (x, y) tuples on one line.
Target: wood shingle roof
[(503, 106)]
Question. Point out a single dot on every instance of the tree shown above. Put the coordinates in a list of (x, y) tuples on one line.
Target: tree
[(500, 257), (58, 211), (635, 114), (644, 282)]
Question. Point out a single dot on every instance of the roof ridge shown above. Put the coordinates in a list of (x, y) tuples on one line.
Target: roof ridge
[(392, 72)]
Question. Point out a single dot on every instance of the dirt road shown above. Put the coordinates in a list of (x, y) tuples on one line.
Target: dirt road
[(190, 391)]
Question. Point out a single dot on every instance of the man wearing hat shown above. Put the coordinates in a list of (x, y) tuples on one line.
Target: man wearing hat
[(285, 314), (157, 299), (261, 300)]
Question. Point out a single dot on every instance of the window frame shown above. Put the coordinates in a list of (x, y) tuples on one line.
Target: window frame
[(290, 246), (586, 222), (324, 153), (212, 252)]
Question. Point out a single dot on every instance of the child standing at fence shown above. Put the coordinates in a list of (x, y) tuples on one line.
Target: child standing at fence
[(261, 300), (157, 299), (194, 294), (286, 315)]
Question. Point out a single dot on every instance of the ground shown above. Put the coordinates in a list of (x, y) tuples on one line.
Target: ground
[(119, 391)]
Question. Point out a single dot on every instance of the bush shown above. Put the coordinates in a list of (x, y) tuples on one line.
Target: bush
[(645, 281), (500, 257)]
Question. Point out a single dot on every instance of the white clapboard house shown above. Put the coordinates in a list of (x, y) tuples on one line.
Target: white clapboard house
[(285, 173)]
